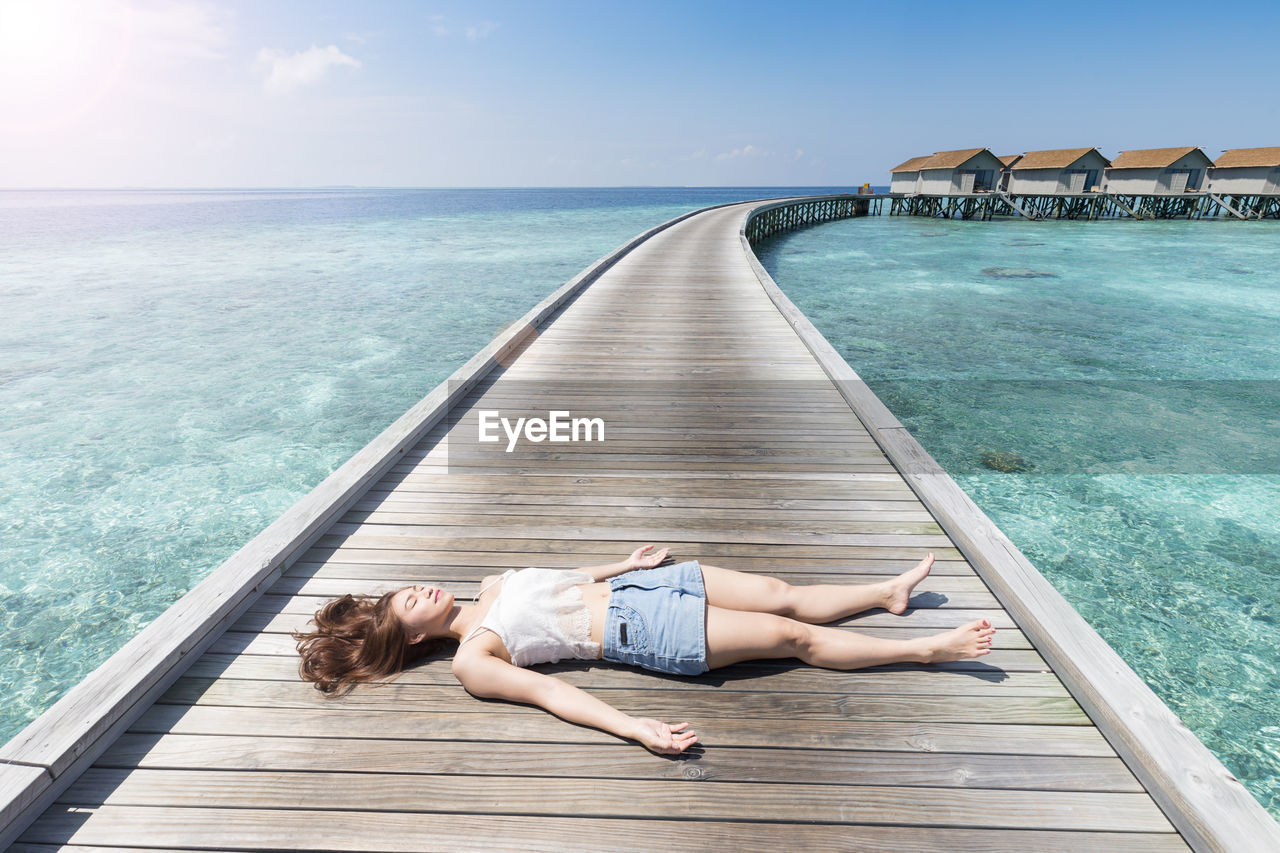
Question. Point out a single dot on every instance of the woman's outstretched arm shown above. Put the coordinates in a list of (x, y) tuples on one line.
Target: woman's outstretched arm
[(493, 678), (638, 560)]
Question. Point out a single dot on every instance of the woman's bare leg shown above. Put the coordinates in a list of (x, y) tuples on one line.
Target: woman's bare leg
[(813, 603), (736, 635)]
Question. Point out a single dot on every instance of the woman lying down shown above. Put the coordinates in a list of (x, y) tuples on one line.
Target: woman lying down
[(681, 618)]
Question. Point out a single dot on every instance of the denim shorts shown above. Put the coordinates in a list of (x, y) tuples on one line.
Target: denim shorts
[(657, 619)]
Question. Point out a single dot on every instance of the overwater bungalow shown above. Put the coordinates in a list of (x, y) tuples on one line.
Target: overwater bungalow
[(1157, 171), (1246, 172), (1057, 171), (968, 170), (905, 177)]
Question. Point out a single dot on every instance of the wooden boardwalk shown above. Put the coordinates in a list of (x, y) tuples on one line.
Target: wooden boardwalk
[(728, 442)]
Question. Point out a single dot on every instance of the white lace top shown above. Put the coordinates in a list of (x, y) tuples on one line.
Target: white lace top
[(540, 617)]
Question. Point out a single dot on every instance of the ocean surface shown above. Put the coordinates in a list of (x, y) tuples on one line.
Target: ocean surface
[(178, 368), (1107, 393)]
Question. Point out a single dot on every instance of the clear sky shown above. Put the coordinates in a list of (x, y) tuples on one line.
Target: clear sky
[(222, 93)]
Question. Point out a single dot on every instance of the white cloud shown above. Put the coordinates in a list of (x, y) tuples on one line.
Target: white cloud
[(481, 30), (287, 72), (744, 151), (473, 32)]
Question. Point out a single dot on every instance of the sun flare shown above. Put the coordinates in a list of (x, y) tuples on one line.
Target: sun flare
[(33, 32), (58, 57)]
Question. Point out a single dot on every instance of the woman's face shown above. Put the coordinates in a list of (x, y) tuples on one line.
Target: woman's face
[(422, 611)]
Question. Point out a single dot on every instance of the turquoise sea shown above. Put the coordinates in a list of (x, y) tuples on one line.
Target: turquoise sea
[(180, 367)]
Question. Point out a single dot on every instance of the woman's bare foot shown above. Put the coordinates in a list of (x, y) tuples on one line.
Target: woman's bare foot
[(898, 591), (967, 641)]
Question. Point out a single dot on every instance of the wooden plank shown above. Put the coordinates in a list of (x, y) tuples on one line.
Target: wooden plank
[(540, 551), (761, 559), (717, 481), (694, 700), (406, 536), (773, 560), (987, 808), (728, 555), (335, 721), (727, 502), (392, 523), (375, 508), (581, 462), (801, 766), (843, 488), (500, 501), (411, 832)]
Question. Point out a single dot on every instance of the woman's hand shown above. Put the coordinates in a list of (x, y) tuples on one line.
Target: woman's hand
[(664, 738), (638, 559)]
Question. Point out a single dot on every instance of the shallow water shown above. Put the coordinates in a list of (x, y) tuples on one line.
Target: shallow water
[(1107, 392), (178, 368)]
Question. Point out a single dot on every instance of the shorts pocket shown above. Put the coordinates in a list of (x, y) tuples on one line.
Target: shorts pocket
[(633, 633)]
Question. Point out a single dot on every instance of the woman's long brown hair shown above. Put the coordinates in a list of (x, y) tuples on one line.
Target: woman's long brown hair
[(358, 638)]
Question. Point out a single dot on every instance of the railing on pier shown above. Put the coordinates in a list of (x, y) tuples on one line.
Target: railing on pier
[(790, 215)]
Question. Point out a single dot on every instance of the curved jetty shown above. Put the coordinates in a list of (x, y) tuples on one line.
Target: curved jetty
[(733, 433)]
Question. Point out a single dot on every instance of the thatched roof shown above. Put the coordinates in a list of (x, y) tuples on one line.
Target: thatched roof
[(951, 159), (1239, 158), (1152, 158), (1007, 160), (1058, 158), (912, 165)]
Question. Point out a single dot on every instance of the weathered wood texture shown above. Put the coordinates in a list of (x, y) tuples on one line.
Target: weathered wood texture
[(725, 439)]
